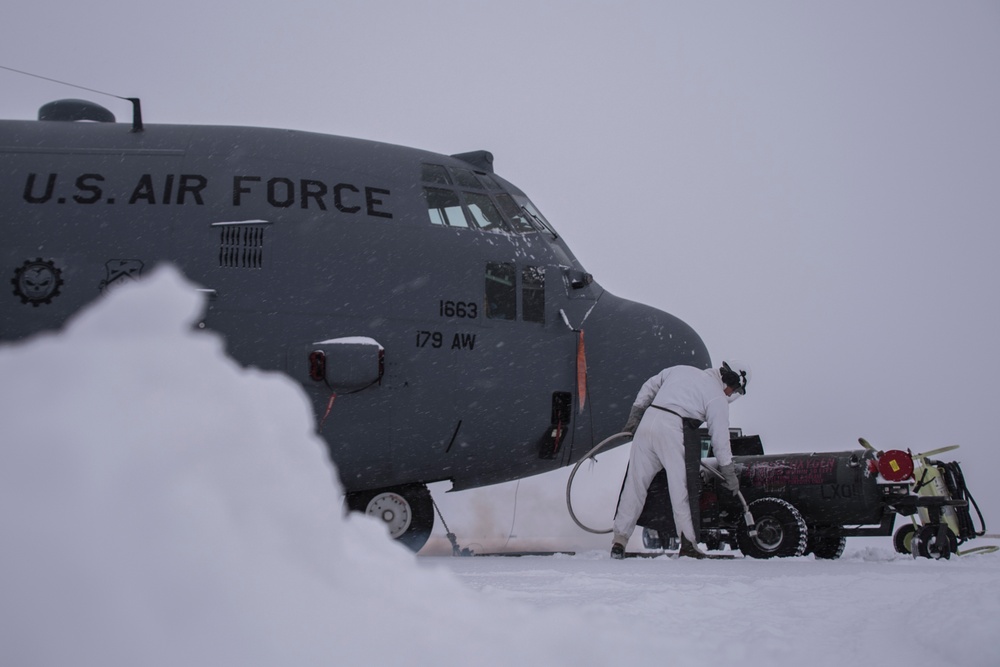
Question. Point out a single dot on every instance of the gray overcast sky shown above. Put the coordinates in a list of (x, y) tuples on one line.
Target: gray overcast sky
[(813, 186)]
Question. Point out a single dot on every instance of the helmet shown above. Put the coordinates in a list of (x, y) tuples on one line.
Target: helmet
[(735, 374)]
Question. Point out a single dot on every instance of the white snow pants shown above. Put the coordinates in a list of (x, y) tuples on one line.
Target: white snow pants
[(658, 443)]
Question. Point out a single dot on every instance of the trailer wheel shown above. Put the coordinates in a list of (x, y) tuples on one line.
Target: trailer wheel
[(829, 546), (781, 530), (651, 539), (408, 512), (902, 541), (935, 540)]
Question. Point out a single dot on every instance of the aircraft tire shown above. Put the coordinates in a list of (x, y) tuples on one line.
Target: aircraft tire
[(407, 511), (781, 530)]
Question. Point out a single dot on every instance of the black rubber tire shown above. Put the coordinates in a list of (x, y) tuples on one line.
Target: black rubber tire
[(781, 530), (828, 546), (902, 541), (936, 541), (408, 511), (651, 539)]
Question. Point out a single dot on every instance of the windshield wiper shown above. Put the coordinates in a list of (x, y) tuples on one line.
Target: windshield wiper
[(540, 224)]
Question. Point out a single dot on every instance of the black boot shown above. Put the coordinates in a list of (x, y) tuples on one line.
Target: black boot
[(617, 551), (690, 549)]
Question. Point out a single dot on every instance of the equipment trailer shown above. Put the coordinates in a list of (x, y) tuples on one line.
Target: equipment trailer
[(810, 503)]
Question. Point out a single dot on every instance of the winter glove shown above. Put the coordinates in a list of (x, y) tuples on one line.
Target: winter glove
[(634, 417), (730, 481)]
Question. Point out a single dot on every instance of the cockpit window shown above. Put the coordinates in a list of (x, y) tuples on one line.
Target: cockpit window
[(483, 211), (515, 216), (465, 178), (490, 183), (475, 200), (445, 208), (535, 216), (434, 173)]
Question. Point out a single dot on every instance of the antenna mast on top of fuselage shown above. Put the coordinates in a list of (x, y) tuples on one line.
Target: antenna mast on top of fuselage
[(136, 107)]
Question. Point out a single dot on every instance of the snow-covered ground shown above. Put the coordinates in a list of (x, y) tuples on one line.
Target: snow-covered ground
[(871, 607), (160, 505)]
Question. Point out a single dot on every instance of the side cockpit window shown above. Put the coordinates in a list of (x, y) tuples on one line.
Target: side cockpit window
[(533, 294), (502, 291)]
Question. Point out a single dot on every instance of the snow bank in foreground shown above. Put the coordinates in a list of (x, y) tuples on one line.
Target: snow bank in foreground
[(161, 505)]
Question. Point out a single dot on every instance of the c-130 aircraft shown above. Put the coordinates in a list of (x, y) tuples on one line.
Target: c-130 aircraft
[(441, 327)]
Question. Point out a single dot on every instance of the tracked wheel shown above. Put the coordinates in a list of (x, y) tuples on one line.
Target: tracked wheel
[(407, 511), (781, 530)]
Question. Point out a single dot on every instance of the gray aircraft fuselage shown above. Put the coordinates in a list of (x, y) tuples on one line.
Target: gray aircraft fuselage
[(441, 328)]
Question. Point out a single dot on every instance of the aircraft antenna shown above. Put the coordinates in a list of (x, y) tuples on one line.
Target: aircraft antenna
[(136, 109)]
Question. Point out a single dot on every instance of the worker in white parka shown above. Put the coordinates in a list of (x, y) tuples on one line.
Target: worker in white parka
[(677, 394)]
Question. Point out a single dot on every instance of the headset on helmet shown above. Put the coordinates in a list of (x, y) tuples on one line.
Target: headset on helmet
[(735, 374)]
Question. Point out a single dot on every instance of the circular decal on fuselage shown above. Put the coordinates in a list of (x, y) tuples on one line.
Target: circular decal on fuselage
[(37, 281)]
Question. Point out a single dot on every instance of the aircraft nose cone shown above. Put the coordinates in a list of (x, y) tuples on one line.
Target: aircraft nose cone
[(626, 344)]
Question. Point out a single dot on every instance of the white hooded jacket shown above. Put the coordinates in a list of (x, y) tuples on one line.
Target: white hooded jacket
[(697, 394)]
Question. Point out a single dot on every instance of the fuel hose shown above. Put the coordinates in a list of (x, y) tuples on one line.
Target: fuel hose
[(569, 483), (747, 516)]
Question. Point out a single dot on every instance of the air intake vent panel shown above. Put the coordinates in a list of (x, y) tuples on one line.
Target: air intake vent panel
[(241, 245)]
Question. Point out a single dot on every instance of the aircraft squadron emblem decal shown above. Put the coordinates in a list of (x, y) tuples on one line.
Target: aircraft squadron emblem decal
[(121, 271), (37, 281)]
